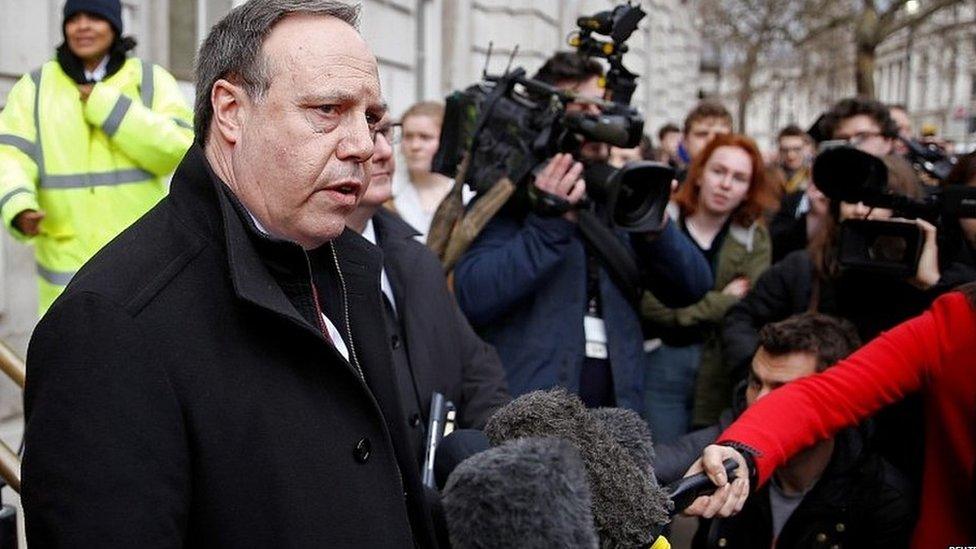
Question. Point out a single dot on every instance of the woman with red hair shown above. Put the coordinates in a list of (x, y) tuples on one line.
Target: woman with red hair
[(719, 206)]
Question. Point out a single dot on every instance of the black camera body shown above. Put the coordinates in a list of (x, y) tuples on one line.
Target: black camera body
[(507, 125), (885, 247)]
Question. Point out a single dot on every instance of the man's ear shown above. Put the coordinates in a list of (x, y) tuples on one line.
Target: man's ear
[(228, 100)]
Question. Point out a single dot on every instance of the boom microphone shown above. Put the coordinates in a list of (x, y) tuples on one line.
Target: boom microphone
[(629, 508), (529, 492)]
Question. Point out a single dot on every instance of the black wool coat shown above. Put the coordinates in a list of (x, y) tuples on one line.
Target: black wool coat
[(180, 393), (443, 352)]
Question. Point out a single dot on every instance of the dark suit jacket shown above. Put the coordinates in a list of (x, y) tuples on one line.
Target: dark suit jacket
[(180, 395), (443, 352)]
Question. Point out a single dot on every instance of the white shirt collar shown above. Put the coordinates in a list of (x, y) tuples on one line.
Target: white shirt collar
[(369, 233), (99, 73)]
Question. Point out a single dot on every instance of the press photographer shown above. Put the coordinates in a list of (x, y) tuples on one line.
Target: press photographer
[(558, 308), (816, 279)]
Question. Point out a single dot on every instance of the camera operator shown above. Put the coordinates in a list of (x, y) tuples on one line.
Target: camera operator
[(813, 280), (964, 173), (535, 290)]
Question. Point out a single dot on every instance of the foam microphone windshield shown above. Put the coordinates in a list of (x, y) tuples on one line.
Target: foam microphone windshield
[(629, 507), (529, 492), (630, 431)]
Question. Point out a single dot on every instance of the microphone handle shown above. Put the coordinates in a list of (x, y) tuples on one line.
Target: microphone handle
[(686, 490)]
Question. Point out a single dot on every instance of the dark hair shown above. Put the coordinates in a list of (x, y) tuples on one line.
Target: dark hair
[(568, 66), (757, 200), (233, 49), (854, 106), (646, 147), (964, 172), (707, 109), (830, 339), (792, 131), (666, 129), (969, 290)]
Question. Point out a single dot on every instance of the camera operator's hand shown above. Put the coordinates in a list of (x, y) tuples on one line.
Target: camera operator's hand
[(928, 273), (561, 178), (738, 287)]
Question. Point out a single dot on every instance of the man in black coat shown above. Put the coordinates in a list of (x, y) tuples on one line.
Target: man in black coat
[(219, 374), (434, 348)]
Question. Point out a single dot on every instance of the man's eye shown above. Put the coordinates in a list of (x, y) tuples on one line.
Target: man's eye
[(328, 109)]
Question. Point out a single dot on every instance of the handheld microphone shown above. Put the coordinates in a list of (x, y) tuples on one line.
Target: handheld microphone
[(684, 491)]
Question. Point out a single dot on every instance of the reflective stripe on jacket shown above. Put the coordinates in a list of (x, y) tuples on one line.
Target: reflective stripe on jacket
[(92, 167)]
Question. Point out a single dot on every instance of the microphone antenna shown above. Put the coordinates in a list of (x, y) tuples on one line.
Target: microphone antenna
[(484, 70), (511, 58)]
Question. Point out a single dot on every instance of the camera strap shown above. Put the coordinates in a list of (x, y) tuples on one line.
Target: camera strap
[(616, 256)]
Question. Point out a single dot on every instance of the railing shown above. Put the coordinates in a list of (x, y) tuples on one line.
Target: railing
[(13, 367)]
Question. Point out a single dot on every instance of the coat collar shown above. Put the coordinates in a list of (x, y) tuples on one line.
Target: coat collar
[(391, 226), (209, 207)]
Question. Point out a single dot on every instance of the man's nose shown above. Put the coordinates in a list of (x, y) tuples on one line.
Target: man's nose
[(357, 143)]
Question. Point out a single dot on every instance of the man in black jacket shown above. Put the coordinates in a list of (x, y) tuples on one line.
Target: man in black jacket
[(836, 493), (434, 348), (218, 375)]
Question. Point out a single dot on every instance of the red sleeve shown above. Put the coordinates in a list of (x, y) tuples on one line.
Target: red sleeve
[(814, 408)]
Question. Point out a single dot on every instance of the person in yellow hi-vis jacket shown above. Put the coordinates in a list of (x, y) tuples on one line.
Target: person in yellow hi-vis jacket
[(86, 143)]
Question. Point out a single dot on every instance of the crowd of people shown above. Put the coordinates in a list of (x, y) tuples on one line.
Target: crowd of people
[(247, 356)]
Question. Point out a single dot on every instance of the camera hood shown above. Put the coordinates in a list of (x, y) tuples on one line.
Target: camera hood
[(639, 194), (845, 173)]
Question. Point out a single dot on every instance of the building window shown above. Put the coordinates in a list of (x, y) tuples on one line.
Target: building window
[(189, 23)]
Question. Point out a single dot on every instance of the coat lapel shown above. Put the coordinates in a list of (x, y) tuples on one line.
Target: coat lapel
[(395, 239)]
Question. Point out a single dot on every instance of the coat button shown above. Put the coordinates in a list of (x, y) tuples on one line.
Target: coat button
[(722, 542), (821, 537), (395, 341), (415, 420), (362, 450), (840, 527)]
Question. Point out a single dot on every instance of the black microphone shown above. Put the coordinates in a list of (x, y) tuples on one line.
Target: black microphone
[(684, 491), (629, 508), (529, 492), (455, 448)]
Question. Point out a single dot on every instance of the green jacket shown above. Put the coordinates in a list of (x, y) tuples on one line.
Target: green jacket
[(92, 167), (746, 251)]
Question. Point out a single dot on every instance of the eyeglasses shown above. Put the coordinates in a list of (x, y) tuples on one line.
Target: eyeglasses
[(393, 133), (859, 137)]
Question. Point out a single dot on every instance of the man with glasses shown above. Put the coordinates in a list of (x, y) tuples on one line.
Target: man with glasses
[(434, 348), (866, 123)]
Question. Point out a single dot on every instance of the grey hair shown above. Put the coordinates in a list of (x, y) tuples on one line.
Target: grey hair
[(233, 49)]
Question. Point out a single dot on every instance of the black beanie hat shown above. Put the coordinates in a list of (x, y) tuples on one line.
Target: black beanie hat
[(110, 10)]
